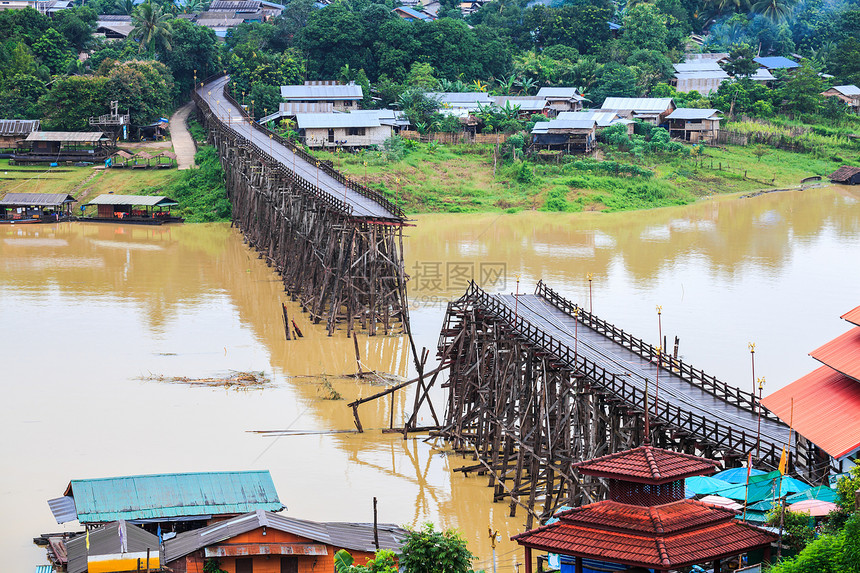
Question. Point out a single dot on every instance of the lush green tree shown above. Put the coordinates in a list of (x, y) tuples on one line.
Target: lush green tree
[(16, 58), (418, 107), (802, 91), (265, 99), (333, 37), (152, 28), (248, 66), (650, 67), (77, 25), (72, 100), (837, 553), (145, 88), (125, 7), (194, 48), (774, 10), (293, 18), (645, 28), (26, 25), (53, 50), (422, 75), (741, 62), (581, 26), (21, 93), (428, 551), (744, 96), (612, 80), (845, 61)]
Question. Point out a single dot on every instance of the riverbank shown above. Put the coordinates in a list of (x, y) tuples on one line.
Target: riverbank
[(428, 178)]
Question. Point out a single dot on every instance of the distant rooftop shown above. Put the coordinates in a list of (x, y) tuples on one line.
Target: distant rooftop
[(777, 62), (640, 104), (562, 92), (165, 497), (850, 90), (694, 113), (322, 92)]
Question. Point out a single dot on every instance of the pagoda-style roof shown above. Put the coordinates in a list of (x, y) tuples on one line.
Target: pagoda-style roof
[(665, 536), (647, 464)]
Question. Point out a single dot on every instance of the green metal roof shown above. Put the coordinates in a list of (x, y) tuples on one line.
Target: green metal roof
[(165, 496)]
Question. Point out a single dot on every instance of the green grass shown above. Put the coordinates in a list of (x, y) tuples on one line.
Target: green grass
[(459, 178)]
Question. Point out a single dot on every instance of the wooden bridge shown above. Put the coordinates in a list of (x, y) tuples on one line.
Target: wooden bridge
[(536, 383), (337, 244)]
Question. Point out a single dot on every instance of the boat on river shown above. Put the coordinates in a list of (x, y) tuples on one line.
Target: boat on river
[(134, 209)]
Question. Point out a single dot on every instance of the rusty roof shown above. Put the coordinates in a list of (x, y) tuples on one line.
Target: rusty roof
[(826, 410), (12, 127), (647, 464), (667, 518), (852, 316), (844, 173), (842, 353), (663, 551)]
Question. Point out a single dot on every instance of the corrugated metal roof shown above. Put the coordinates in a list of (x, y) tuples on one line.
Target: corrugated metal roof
[(236, 5), (642, 104), (826, 410), (851, 90), (119, 28), (294, 107), (114, 18), (63, 509), (36, 199), (561, 92), (702, 75), (335, 120), (350, 536), (44, 569), (699, 66), (526, 103), (106, 541), (347, 92), (852, 316), (11, 127), (842, 353), (603, 118), (413, 13), (145, 200), (457, 99), (694, 113), (716, 56), (762, 75), (65, 136), (776, 62), (173, 495), (563, 124)]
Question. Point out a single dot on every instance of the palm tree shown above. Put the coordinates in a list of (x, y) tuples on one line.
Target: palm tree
[(125, 6), (774, 10), (151, 27), (191, 6)]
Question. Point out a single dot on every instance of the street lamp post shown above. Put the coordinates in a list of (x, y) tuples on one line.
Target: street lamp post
[(758, 433)]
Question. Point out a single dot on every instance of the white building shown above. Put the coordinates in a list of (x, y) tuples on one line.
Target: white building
[(349, 130)]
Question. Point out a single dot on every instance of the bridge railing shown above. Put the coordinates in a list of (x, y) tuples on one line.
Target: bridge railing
[(304, 186), (681, 421), (710, 384), (371, 194)]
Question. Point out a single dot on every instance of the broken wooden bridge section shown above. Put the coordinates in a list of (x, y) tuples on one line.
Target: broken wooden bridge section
[(337, 244), (536, 383)]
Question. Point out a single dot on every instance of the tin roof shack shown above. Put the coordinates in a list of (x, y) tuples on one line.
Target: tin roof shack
[(703, 76), (413, 14), (138, 209), (602, 118), (646, 522), (114, 26), (567, 135), (348, 130), (263, 542), (341, 97), (694, 125), (527, 105), (846, 175), (177, 501), (849, 94), (777, 63), (35, 207), (561, 99), (57, 146), (653, 110), (13, 132), (115, 547)]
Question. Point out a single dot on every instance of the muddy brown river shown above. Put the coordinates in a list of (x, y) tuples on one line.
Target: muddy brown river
[(97, 319)]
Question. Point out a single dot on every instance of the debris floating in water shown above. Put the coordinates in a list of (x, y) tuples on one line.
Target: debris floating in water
[(232, 381)]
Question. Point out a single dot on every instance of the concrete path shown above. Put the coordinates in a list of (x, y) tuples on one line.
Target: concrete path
[(183, 144)]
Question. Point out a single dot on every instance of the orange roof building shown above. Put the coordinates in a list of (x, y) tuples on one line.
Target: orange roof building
[(647, 522), (824, 405)]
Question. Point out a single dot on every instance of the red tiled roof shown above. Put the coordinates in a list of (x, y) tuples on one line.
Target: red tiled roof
[(661, 551), (842, 353), (647, 464), (852, 316), (826, 410), (659, 519)]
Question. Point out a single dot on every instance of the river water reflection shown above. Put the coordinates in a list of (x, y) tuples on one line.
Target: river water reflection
[(93, 314)]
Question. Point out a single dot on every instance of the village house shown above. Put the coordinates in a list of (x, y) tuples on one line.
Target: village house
[(456, 103), (347, 130), (176, 502), (56, 146), (700, 75), (603, 119), (561, 99), (263, 542), (142, 209), (568, 135), (528, 105), (113, 26), (413, 14), (771, 63), (846, 175), (13, 132), (849, 94), (695, 125), (116, 546), (47, 7), (341, 97), (653, 110), (35, 207)]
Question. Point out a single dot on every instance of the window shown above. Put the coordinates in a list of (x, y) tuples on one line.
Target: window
[(355, 131), (244, 565), (289, 564)]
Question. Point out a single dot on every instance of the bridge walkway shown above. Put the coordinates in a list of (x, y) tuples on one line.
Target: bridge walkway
[(230, 114)]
